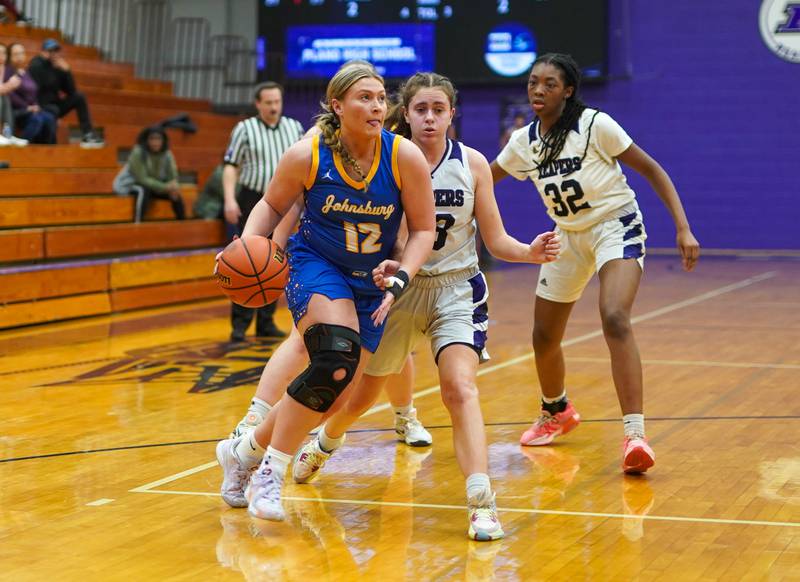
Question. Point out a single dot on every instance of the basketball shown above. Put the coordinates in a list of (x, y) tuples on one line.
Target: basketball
[(252, 271)]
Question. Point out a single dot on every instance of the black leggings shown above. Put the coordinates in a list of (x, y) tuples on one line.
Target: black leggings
[(144, 196)]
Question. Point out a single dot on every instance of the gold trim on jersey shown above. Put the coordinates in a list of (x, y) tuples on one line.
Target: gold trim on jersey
[(395, 163), (312, 174), (376, 161)]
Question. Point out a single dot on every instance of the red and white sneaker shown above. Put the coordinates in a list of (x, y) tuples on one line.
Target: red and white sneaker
[(637, 456), (548, 426)]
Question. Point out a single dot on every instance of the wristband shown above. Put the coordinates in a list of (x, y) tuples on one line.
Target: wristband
[(397, 283)]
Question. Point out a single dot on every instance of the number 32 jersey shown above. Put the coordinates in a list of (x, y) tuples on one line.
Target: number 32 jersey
[(578, 194)]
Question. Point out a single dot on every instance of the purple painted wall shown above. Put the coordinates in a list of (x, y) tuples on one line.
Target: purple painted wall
[(706, 98)]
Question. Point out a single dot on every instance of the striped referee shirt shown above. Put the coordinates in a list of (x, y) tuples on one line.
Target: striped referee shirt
[(256, 147)]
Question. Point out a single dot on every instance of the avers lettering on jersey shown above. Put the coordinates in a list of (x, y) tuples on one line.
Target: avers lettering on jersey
[(448, 197), (561, 166), (331, 205)]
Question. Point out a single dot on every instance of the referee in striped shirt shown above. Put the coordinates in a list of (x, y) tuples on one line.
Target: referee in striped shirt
[(255, 147)]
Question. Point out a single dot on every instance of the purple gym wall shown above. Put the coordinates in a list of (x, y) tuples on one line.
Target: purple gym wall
[(706, 98)]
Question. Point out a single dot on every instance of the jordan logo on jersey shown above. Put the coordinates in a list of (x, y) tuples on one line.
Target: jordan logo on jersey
[(327, 176)]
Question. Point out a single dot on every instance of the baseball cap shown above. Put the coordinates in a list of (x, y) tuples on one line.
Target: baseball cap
[(51, 44)]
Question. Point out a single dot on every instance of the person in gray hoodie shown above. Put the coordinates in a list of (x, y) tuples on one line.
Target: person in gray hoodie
[(151, 172)]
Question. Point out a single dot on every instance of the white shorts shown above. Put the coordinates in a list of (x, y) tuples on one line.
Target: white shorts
[(584, 252), (447, 309)]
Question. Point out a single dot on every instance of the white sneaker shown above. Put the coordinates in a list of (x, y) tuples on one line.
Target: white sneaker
[(264, 493), (234, 474), (17, 141), (4, 141), (410, 430), (308, 462), (248, 423), (484, 525)]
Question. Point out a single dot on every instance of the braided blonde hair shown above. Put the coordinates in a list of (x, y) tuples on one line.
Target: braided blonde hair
[(328, 121)]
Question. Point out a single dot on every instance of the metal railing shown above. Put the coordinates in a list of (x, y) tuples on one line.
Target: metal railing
[(220, 68)]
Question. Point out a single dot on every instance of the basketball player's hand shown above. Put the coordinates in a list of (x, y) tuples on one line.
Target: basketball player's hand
[(232, 212), (544, 248), (219, 254), (383, 271), (689, 248), (379, 315)]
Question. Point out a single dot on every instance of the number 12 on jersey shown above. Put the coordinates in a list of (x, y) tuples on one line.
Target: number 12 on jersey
[(369, 245)]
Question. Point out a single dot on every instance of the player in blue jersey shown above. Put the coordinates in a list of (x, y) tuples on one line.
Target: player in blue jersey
[(351, 220)]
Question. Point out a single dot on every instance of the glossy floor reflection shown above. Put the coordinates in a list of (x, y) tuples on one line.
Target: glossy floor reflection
[(108, 426)]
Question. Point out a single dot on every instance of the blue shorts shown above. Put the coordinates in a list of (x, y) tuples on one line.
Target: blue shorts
[(309, 274)]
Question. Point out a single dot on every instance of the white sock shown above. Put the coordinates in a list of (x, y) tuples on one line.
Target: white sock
[(278, 460), (478, 486), (259, 407), (556, 399), (248, 451), (403, 410), (329, 444), (633, 424)]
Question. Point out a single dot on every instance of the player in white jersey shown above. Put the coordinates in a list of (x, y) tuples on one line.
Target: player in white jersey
[(446, 301), (571, 154)]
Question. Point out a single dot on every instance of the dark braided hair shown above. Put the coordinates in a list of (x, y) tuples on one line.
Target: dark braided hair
[(553, 142)]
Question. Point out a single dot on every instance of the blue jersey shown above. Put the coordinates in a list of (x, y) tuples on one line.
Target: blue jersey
[(352, 228)]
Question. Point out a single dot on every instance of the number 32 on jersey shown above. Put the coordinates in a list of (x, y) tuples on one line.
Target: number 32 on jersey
[(572, 204)]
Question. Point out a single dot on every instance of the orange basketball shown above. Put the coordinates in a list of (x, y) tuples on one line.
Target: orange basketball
[(252, 271)]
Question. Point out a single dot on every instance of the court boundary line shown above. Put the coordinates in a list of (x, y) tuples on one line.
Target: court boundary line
[(513, 361), (391, 430), (526, 510)]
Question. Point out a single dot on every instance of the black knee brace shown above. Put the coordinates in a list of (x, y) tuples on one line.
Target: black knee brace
[(330, 348)]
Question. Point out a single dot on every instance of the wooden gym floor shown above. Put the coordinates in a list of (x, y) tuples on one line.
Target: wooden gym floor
[(107, 432)]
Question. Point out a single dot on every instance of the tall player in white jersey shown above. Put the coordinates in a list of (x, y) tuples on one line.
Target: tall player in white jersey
[(446, 301), (571, 154)]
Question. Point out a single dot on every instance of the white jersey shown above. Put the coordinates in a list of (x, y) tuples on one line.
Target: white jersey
[(454, 197), (577, 194)]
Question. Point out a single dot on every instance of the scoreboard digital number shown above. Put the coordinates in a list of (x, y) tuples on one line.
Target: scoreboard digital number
[(470, 41)]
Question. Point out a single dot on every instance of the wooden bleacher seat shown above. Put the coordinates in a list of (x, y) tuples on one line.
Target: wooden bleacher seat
[(68, 246), (43, 293)]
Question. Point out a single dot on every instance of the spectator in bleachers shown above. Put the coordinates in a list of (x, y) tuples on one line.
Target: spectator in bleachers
[(210, 202), (38, 125), (57, 91), (151, 172), (12, 13), (6, 111)]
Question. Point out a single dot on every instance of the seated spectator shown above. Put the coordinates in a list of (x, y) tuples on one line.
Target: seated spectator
[(11, 13), (150, 173), (6, 111), (38, 125), (210, 202), (57, 91)]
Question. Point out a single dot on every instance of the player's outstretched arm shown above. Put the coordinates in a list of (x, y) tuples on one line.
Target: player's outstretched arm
[(636, 158), (498, 173), (543, 249), (283, 190)]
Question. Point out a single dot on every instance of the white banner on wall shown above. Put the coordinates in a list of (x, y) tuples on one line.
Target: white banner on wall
[(779, 22)]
